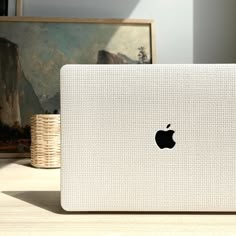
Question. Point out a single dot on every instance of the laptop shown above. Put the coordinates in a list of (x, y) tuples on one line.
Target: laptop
[(148, 138)]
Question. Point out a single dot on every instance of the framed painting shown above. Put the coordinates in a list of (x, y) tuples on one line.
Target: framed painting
[(32, 51)]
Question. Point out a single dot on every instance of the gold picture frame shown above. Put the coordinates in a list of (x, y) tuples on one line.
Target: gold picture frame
[(40, 46)]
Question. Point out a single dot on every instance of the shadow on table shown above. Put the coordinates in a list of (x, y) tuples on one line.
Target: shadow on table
[(27, 163), (24, 162), (50, 201), (7, 161), (19, 161)]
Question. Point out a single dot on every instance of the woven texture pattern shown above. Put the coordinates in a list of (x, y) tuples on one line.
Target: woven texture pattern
[(45, 141), (110, 115)]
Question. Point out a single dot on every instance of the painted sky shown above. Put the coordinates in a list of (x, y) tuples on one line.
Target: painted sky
[(45, 47)]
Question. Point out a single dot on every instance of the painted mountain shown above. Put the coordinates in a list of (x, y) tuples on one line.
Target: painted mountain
[(31, 55), (105, 57), (18, 100), (9, 79)]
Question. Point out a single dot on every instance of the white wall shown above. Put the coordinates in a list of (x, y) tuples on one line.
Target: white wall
[(174, 19), (215, 31)]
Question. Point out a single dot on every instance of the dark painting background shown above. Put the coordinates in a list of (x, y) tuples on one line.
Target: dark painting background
[(3, 7)]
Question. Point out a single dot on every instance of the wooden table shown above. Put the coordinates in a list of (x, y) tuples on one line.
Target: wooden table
[(30, 205)]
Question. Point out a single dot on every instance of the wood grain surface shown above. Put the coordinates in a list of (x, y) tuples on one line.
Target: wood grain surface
[(30, 205)]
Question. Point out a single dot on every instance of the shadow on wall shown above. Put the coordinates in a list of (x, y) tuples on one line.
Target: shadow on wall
[(80, 8), (214, 31)]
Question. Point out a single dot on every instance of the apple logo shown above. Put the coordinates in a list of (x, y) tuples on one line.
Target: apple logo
[(164, 139)]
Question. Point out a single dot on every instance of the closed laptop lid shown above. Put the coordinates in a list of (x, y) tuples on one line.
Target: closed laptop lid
[(148, 137)]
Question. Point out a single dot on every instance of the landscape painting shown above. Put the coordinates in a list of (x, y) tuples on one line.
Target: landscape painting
[(32, 51)]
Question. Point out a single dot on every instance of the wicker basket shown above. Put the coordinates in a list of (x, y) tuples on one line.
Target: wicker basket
[(45, 141)]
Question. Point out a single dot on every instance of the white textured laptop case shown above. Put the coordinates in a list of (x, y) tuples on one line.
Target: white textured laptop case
[(113, 159)]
